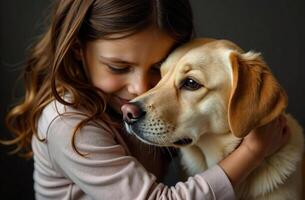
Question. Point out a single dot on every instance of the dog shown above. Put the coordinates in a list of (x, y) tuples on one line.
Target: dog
[(210, 96)]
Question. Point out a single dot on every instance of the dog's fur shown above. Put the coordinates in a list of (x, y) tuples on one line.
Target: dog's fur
[(234, 93)]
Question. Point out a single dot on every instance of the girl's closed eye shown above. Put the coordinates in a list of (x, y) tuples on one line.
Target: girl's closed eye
[(118, 69)]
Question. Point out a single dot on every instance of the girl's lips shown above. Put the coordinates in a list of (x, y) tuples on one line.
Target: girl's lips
[(123, 101)]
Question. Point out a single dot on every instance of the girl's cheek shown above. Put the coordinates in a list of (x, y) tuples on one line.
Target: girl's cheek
[(109, 84)]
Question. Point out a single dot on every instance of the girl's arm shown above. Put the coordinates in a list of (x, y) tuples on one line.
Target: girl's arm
[(106, 171)]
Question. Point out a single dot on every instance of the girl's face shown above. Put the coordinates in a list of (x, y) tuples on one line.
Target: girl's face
[(127, 67)]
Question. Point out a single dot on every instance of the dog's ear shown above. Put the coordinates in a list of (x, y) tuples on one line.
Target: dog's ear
[(256, 97)]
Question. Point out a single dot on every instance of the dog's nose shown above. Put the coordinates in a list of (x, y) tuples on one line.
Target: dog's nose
[(132, 112)]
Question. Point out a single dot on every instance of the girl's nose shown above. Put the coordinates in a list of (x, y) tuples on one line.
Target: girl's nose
[(138, 85)]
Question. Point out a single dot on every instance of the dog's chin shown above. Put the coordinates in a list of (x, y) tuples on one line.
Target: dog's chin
[(148, 141), (178, 144)]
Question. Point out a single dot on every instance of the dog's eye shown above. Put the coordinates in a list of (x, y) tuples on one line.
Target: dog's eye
[(190, 84)]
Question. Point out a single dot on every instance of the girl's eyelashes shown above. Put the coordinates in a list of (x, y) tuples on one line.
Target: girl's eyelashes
[(117, 69), (125, 69)]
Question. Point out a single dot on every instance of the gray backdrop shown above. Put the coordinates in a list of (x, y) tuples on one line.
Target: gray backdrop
[(275, 28)]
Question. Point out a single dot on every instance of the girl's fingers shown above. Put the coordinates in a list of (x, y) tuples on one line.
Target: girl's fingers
[(284, 119), (279, 121), (285, 134)]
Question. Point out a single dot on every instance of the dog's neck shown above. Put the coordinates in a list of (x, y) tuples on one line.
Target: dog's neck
[(209, 150), (209, 144)]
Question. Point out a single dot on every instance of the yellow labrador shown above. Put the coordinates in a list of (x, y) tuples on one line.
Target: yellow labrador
[(210, 96)]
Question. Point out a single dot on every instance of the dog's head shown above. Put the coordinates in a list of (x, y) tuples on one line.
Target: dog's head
[(207, 86)]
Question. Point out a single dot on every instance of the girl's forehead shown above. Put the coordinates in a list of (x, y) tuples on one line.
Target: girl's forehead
[(147, 35), (151, 43)]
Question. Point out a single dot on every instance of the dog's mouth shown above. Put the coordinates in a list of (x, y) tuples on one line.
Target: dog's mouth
[(183, 142), (129, 128), (160, 139)]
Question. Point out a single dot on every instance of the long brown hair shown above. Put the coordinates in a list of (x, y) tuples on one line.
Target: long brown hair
[(51, 71)]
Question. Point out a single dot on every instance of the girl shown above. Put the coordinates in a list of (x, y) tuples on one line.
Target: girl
[(96, 56)]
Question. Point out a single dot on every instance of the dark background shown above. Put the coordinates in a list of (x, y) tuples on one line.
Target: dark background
[(275, 28)]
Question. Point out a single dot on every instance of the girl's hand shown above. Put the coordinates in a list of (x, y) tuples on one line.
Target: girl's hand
[(255, 147), (266, 140)]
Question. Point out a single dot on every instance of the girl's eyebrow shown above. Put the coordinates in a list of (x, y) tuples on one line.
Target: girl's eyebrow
[(118, 60)]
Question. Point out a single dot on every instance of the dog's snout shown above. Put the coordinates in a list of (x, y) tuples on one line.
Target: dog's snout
[(132, 112)]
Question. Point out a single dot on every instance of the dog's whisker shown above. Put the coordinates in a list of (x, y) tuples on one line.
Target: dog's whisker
[(155, 154), (168, 150), (171, 156)]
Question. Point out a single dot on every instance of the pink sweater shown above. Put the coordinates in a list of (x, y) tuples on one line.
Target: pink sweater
[(109, 170)]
